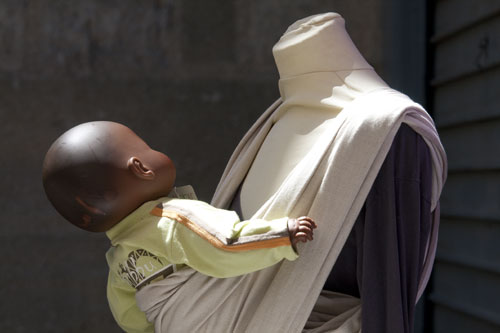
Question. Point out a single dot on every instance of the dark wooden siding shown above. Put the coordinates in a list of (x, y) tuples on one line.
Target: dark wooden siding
[(466, 103)]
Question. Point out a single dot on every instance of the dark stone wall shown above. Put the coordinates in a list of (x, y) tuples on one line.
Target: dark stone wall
[(162, 39), (188, 76)]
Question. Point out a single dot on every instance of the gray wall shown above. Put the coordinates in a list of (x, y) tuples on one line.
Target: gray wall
[(466, 87), (188, 76)]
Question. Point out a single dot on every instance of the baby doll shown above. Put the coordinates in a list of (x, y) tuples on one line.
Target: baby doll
[(102, 177)]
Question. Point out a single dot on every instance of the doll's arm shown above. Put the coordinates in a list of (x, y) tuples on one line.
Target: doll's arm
[(231, 247), (299, 229)]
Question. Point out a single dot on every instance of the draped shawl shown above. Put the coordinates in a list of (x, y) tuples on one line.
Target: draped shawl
[(329, 184)]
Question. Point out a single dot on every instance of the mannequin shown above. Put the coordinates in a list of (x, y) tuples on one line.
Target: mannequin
[(321, 72), (315, 87)]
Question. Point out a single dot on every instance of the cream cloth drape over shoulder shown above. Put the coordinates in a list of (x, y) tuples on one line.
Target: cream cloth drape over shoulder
[(330, 184)]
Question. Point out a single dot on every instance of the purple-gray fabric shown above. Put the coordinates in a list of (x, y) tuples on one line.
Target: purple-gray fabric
[(382, 259)]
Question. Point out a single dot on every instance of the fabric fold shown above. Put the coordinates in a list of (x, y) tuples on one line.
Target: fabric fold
[(330, 184)]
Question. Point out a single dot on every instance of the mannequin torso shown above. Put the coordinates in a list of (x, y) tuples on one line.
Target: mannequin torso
[(321, 72), (322, 77)]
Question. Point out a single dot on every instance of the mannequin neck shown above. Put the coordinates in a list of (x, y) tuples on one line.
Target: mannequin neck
[(319, 64)]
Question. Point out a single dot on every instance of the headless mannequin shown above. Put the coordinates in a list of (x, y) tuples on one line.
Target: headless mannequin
[(320, 72)]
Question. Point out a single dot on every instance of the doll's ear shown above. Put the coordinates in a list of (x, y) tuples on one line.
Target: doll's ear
[(139, 169)]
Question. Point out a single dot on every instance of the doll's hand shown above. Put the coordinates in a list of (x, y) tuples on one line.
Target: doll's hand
[(301, 229)]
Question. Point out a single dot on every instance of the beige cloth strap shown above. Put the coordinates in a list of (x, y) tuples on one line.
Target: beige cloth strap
[(330, 185)]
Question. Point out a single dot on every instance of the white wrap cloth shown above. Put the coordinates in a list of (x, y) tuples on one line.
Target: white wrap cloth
[(330, 184)]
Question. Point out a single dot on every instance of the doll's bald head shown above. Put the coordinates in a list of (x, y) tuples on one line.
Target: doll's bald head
[(97, 173)]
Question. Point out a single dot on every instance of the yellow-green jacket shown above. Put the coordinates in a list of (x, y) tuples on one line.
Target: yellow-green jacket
[(168, 234)]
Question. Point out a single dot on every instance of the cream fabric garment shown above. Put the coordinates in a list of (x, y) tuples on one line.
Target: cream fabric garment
[(330, 184)]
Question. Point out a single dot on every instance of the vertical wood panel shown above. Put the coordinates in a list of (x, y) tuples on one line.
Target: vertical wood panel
[(472, 195), (473, 146), (449, 19), (470, 243), (474, 292), (462, 101), (449, 320), (468, 52), (466, 89)]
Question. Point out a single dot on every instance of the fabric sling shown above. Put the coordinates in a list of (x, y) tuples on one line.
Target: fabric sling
[(330, 184)]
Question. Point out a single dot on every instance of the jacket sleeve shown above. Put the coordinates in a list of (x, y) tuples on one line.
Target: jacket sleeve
[(121, 299), (215, 243)]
